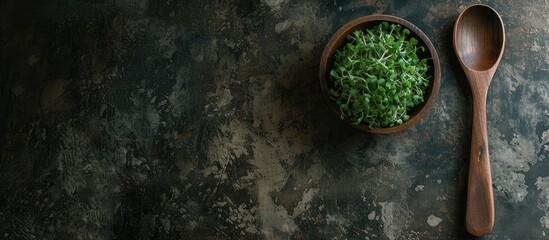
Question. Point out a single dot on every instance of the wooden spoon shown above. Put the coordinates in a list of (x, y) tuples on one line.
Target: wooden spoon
[(479, 40)]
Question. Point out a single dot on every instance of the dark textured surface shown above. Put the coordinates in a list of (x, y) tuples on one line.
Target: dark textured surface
[(130, 119)]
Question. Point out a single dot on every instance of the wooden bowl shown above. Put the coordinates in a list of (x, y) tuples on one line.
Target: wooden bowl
[(338, 40)]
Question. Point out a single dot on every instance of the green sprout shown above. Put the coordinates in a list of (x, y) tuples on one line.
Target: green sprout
[(377, 76)]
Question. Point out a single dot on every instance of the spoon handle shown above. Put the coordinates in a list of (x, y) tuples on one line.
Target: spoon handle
[(479, 217)]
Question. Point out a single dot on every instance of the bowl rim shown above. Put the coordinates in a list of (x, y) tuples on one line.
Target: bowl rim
[(339, 35)]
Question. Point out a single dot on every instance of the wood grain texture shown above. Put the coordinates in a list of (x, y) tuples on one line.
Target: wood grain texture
[(338, 40), (479, 40)]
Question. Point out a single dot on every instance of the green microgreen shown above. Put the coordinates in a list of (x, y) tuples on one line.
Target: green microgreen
[(378, 76)]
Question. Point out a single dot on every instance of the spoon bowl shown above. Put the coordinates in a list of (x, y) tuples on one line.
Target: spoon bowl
[(479, 38), (479, 41)]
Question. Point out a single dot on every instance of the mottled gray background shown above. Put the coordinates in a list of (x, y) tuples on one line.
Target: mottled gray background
[(173, 119)]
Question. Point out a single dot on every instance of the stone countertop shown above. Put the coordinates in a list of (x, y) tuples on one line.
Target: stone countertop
[(142, 119)]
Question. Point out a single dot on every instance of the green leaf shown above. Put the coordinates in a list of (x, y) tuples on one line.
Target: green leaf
[(334, 93), (413, 41), (353, 91)]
